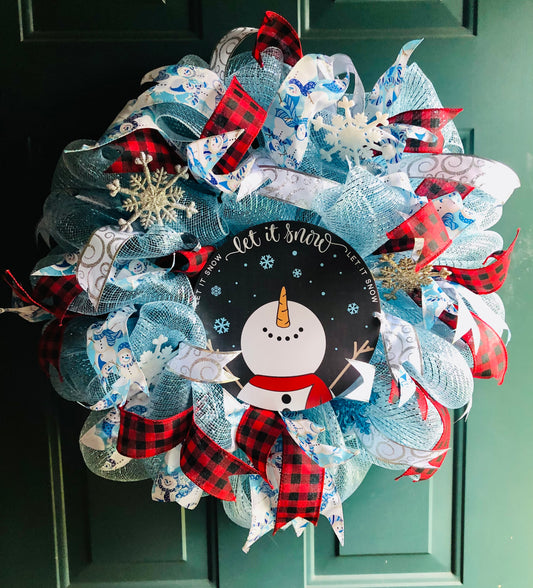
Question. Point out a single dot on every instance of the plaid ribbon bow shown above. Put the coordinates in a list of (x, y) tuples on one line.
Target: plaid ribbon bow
[(237, 110), (434, 187), (486, 279), (302, 480), (490, 358), (426, 224), (202, 460), (147, 141), (443, 442), (275, 31), (51, 293), (432, 119)]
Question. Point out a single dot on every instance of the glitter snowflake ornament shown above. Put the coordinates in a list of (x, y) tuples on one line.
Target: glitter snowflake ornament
[(352, 135), (403, 275), (153, 197)]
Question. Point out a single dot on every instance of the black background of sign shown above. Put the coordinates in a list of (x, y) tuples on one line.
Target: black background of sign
[(329, 283)]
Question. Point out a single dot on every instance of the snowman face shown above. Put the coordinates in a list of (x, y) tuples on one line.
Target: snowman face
[(270, 350)]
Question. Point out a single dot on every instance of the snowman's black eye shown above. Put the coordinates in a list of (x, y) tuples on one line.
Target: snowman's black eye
[(265, 329)]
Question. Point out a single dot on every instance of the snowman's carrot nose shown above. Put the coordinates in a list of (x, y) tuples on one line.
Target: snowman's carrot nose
[(282, 318)]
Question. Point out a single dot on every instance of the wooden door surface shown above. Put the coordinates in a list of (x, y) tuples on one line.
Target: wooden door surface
[(67, 69)]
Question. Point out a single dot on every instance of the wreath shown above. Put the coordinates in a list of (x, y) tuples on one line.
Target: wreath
[(262, 280)]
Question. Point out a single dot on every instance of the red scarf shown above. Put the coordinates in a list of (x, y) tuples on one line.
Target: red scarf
[(319, 393)]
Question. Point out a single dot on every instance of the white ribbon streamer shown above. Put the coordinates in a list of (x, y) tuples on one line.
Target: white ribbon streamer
[(491, 176), (202, 365), (96, 262), (401, 345), (389, 451)]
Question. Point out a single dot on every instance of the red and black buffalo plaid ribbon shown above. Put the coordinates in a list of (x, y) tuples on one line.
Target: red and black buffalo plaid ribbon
[(147, 141), (487, 279), (490, 359), (140, 437), (51, 293), (302, 480), (426, 224), (236, 110), (202, 460), (192, 262), (435, 187), (275, 31), (301, 485), (257, 432), (209, 466), (442, 443), (50, 344), (57, 293), (432, 119)]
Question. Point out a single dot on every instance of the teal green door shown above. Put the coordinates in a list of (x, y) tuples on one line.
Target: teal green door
[(67, 69)]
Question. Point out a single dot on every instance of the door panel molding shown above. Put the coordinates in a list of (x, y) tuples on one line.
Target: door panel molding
[(327, 564), (89, 511), (387, 19), (100, 20)]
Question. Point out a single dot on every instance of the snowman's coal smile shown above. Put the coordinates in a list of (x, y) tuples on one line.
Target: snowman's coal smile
[(279, 337)]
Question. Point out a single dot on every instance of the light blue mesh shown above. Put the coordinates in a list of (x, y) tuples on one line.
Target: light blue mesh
[(362, 211), (254, 210)]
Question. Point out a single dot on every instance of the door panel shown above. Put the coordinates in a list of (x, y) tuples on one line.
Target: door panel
[(68, 69)]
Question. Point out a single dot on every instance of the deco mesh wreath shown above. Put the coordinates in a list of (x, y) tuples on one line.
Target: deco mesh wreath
[(246, 229)]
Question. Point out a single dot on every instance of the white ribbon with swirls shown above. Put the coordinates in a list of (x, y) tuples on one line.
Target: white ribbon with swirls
[(388, 451), (226, 47), (295, 187), (96, 261), (401, 346), (202, 365), (491, 176)]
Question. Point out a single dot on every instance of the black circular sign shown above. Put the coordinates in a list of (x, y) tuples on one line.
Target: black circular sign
[(297, 301)]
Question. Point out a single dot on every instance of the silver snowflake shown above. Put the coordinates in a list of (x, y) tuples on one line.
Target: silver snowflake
[(297, 273), (352, 135), (152, 197), (221, 325), (353, 308), (216, 290), (266, 262)]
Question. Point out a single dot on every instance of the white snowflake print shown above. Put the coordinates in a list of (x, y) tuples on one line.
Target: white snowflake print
[(297, 272), (221, 325), (216, 290), (266, 262), (153, 362), (353, 308), (152, 198)]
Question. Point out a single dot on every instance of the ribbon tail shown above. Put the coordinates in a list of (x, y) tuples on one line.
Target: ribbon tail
[(210, 466), (301, 485)]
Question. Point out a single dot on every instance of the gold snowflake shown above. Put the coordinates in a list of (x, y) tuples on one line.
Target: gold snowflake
[(402, 275), (152, 197)]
